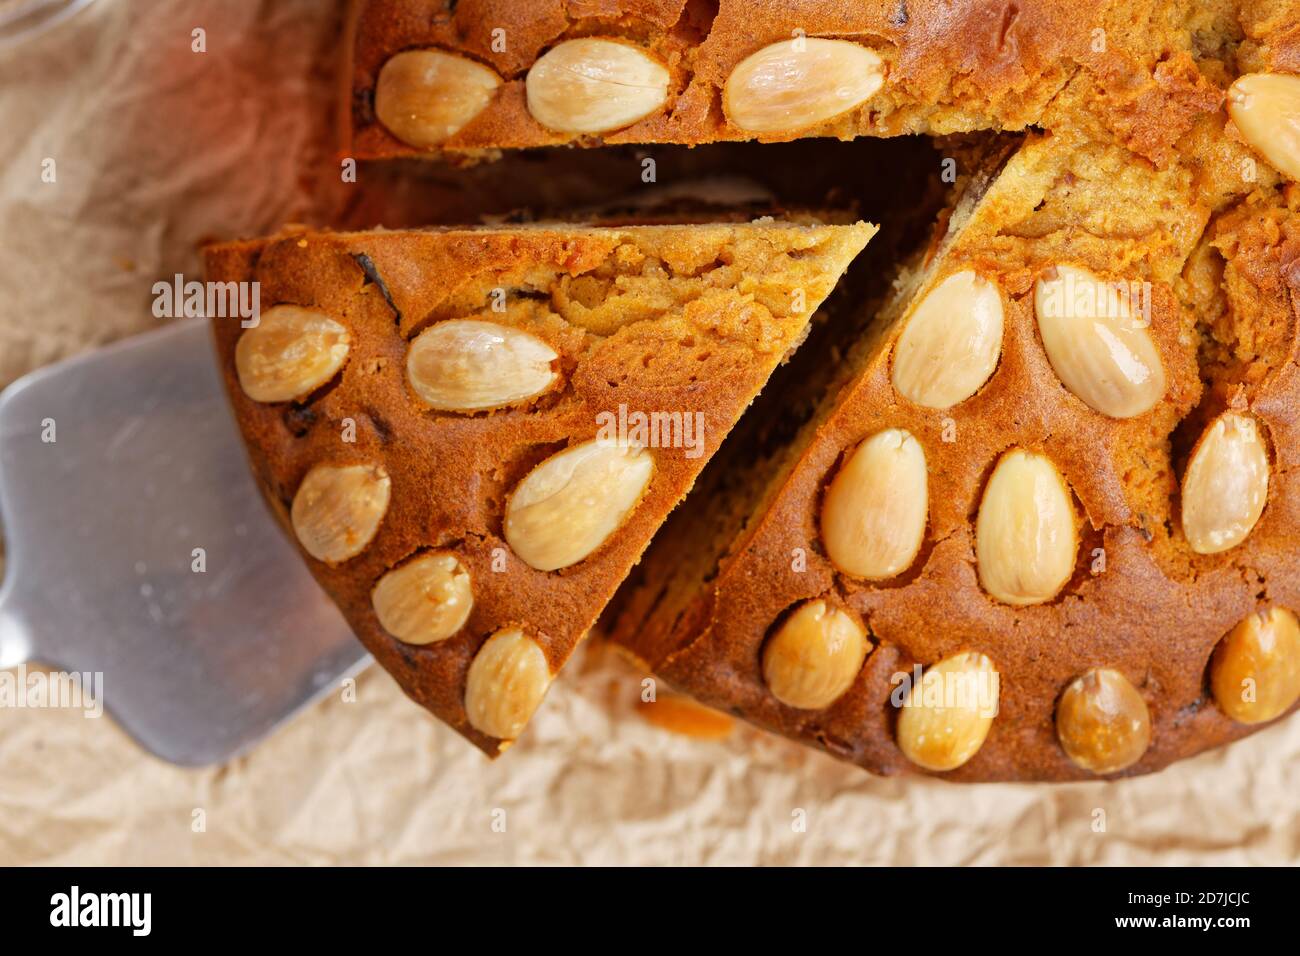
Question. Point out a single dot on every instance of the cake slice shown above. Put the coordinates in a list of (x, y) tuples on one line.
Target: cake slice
[(473, 433), (1041, 523)]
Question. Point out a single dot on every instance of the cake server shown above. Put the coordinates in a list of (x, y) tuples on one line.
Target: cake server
[(139, 551)]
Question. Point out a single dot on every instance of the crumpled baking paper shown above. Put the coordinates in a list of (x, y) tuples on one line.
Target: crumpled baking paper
[(158, 147)]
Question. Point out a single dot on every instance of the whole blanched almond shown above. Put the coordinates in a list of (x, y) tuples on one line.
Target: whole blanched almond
[(873, 517), (1255, 670), (466, 365), (570, 504), (290, 353), (951, 342), (507, 680), (426, 600), (425, 97), (815, 656), (1266, 108), (1226, 484), (683, 715), (1102, 722), (594, 85), (1026, 538), (338, 508), (947, 715), (1100, 351), (794, 84)]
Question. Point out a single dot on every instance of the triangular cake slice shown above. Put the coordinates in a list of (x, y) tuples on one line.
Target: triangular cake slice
[(1041, 524), (474, 433)]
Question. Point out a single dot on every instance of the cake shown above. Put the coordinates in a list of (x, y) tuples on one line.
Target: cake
[(464, 80), (1022, 507), (472, 434), (1042, 523)]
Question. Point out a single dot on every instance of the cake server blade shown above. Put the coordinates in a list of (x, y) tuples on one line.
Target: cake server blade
[(140, 552)]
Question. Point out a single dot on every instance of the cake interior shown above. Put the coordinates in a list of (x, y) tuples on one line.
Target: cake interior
[(763, 449)]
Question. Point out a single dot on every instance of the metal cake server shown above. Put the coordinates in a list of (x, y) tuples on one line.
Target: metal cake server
[(202, 652)]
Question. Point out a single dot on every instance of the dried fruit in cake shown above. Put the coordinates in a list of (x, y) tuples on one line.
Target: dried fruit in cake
[(515, 412)]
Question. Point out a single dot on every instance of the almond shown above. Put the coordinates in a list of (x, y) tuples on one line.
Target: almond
[(425, 600), (290, 353), (796, 84), (1098, 349), (680, 714), (425, 97), (1226, 484), (1102, 722), (815, 656), (465, 365), (571, 503), (338, 508), (873, 517), (947, 715), (1266, 108), (1255, 670), (1026, 538), (951, 342), (594, 85), (507, 680)]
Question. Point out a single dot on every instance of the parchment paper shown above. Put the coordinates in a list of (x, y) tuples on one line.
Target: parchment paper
[(157, 147)]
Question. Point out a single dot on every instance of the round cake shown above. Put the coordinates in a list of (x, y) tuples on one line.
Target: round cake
[(1028, 510)]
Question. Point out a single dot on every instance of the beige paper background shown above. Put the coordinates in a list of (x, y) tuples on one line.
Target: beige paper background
[(158, 148)]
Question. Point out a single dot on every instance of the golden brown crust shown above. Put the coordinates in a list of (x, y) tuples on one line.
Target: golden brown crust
[(685, 319), (1125, 68), (1130, 169), (1221, 255)]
